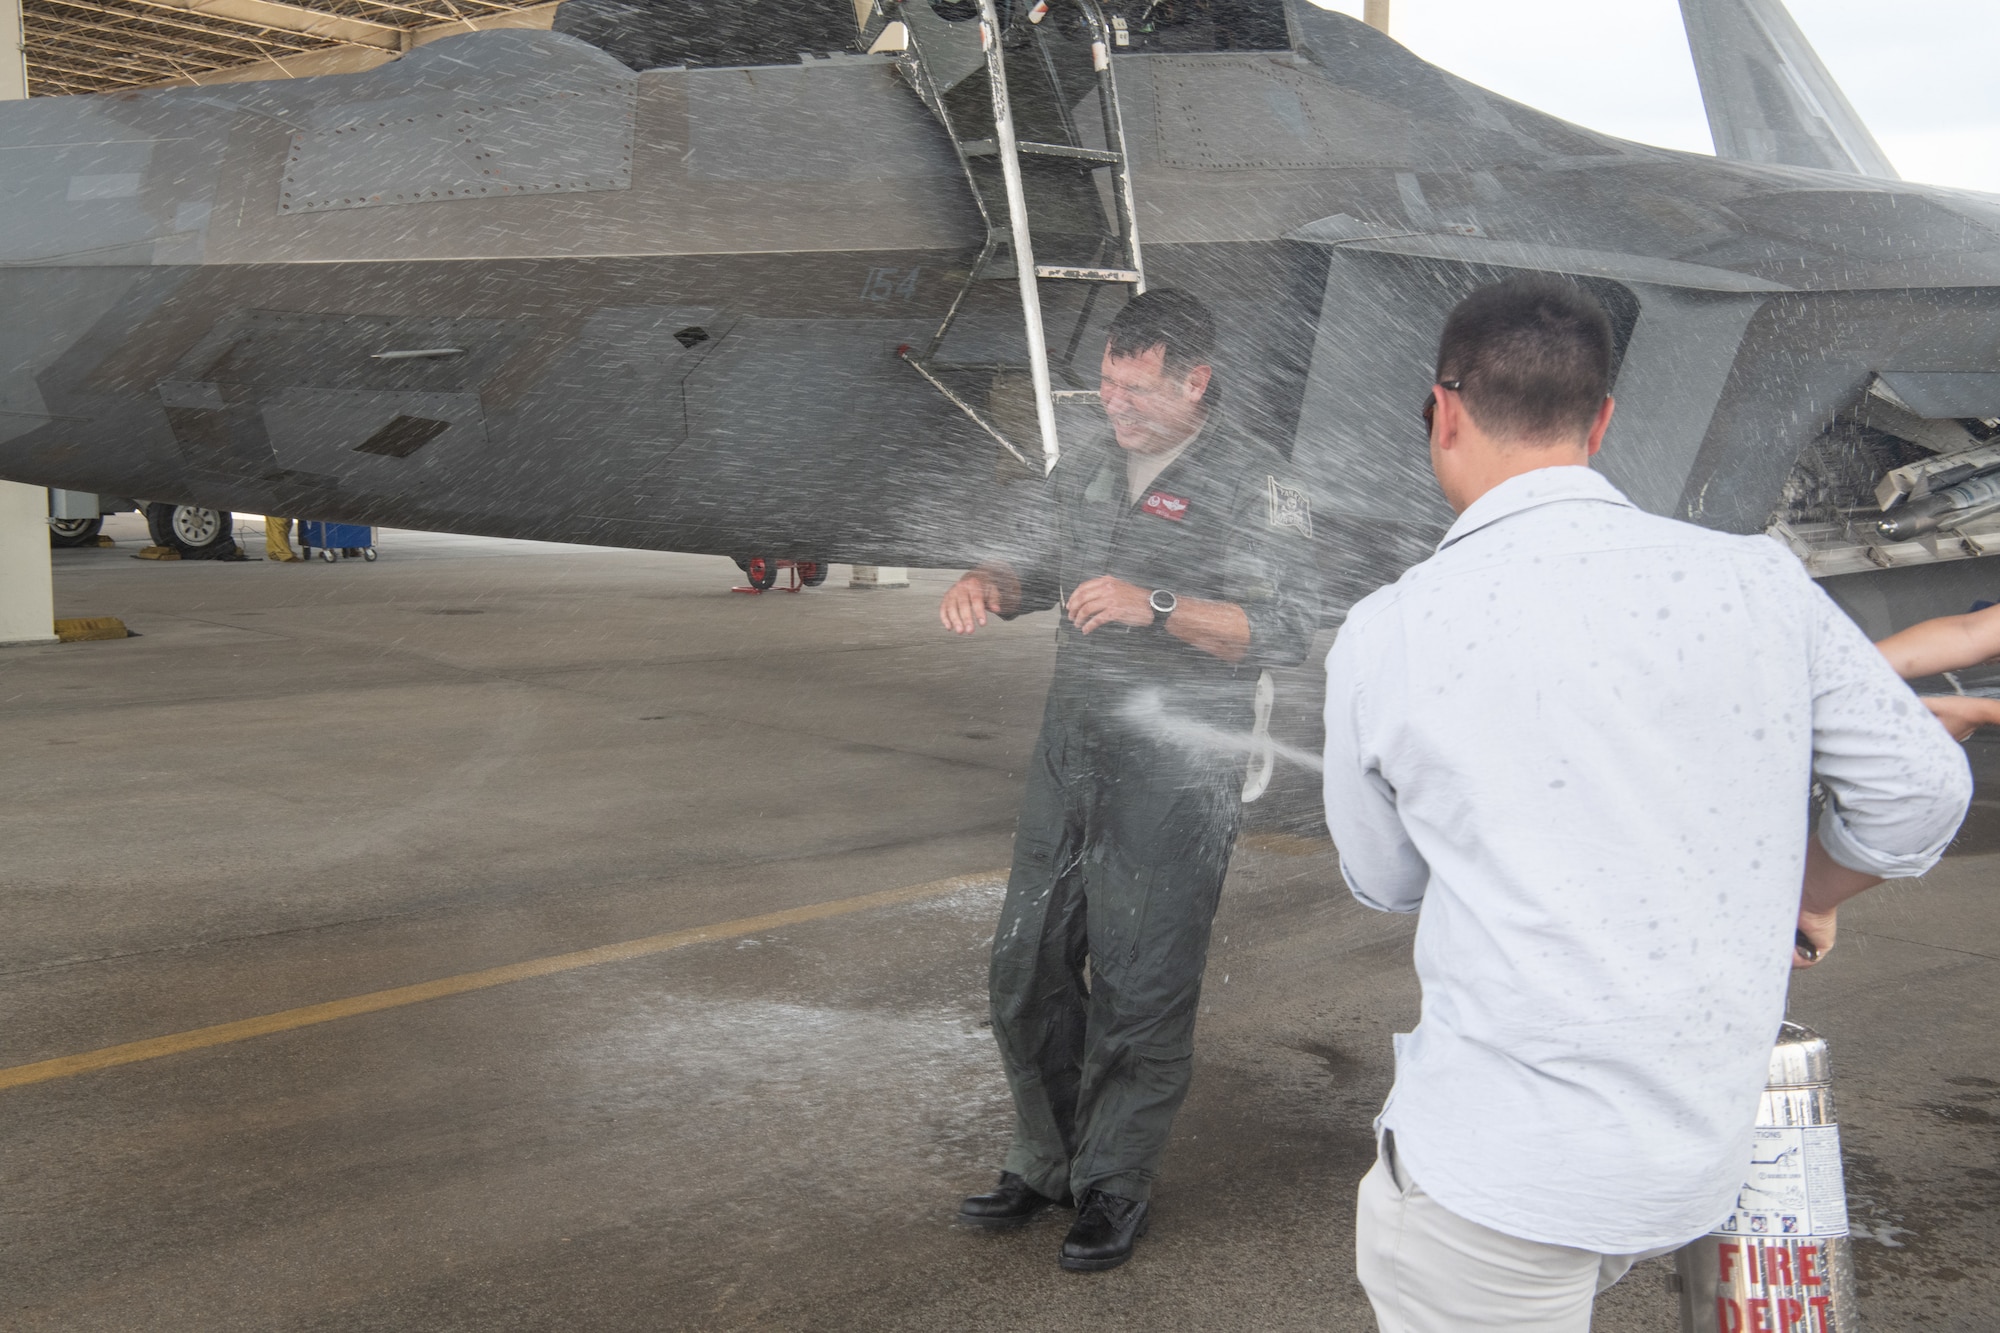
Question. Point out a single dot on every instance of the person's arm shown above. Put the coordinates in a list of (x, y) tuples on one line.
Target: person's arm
[(1269, 574), (1945, 644), (1828, 884), (1219, 629), (988, 588), (1022, 576), (1383, 869), (1963, 714), (1272, 572), (1897, 786)]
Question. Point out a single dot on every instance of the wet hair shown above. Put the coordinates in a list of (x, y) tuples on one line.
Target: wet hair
[(1170, 318), (1534, 356)]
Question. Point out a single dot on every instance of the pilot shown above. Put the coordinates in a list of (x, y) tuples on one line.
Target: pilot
[(1178, 554)]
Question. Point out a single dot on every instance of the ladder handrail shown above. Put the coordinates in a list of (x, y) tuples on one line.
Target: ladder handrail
[(1007, 147), (1114, 134), (1008, 151)]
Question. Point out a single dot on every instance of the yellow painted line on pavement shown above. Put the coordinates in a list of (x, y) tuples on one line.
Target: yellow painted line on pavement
[(285, 1020)]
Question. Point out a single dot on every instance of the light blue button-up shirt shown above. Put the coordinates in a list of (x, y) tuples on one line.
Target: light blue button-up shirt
[(1580, 739)]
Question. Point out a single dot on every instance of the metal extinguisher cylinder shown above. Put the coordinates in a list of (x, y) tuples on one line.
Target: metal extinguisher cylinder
[(1782, 1262)]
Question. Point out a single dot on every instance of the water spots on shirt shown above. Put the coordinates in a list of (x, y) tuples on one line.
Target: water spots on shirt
[(1674, 798)]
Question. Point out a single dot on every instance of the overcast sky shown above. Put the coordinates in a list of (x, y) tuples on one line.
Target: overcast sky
[(1918, 71)]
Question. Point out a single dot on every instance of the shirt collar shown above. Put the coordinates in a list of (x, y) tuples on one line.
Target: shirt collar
[(1142, 470), (1531, 490)]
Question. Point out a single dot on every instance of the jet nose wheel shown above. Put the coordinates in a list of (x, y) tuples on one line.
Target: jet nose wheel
[(812, 573)]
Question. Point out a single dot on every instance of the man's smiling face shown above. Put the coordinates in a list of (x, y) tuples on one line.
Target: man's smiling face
[(1152, 409)]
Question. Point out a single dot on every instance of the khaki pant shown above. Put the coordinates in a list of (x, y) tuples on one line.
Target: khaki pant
[(278, 539), (1427, 1270)]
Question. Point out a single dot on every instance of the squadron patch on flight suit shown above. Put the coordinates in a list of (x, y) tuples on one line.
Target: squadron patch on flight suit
[(1161, 504), (1290, 508)]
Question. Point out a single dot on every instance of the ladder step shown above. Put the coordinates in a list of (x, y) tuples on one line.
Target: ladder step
[(1095, 156), (1065, 273)]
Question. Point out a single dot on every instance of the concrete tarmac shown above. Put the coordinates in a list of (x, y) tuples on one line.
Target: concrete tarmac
[(304, 783)]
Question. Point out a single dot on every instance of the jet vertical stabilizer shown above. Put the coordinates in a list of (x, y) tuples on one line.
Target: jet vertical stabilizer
[(1769, 98)]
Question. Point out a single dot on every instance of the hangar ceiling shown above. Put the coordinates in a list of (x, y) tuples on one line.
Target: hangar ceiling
[(90, 46), (94, 46)]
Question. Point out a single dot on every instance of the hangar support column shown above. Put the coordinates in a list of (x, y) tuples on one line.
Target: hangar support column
[(27, 590), (13, 60), (879, 576)]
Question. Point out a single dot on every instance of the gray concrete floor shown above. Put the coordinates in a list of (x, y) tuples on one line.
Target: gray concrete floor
[(304, 783)]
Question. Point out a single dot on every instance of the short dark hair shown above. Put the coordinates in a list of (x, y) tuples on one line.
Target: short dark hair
[(1165, 317), (1534, 356)]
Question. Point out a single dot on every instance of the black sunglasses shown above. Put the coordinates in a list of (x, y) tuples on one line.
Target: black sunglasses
[(1431, 399)]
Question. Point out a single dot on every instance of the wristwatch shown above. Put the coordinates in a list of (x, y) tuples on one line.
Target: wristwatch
[(1163, 604)]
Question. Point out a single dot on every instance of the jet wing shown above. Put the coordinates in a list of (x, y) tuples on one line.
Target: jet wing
[(1769, 98)]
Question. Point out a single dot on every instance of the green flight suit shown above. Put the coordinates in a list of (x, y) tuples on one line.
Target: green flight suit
[(1131, 809)]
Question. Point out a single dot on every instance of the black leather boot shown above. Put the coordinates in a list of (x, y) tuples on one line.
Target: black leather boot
[(1106, 1227), (1009, 1204)]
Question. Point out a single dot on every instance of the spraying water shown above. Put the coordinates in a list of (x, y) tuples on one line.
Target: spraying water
[(1147, 709)]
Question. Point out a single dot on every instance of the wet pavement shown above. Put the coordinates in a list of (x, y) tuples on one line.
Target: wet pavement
[(313, 782)]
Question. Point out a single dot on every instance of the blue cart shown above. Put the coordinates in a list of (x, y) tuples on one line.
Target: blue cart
[(335, 540)]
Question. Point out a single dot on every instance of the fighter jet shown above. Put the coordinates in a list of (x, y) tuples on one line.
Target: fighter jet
[(770, 281)]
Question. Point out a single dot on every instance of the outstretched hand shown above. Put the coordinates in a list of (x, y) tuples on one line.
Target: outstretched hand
[(1108, 601), (968, 601)]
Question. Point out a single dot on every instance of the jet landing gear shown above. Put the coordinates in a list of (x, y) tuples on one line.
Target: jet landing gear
[(762, 571), (191, 532), (74, 531)]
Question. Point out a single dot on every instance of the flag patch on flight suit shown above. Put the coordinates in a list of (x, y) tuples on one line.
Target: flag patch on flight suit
[(1166, 506), (1290, 508)]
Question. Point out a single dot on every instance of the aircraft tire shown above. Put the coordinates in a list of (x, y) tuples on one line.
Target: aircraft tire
[(74, 531), (197, 533), (812, 573), (762, 573)]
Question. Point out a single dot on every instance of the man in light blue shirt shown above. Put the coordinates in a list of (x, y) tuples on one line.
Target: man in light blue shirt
[(1579, 741)]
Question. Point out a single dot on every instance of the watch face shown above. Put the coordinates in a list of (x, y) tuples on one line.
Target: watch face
[(1163, 603)]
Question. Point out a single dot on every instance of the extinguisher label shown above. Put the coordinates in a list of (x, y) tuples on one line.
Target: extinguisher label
[(1780, 1287), (1794, 1186)]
